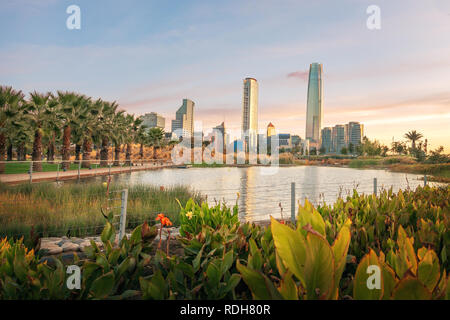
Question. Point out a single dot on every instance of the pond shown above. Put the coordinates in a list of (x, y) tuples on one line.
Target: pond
[(267, 191)]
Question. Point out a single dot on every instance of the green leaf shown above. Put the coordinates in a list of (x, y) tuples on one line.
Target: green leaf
[(340, 249), (428, 270), (260, 286), (411, 289), (360, 288), (102, 286), (291, 248), (307, 214), (319, 268)]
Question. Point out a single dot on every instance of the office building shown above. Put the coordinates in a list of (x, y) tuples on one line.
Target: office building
[(327, 140), (270, 130), (355, 133), (250, 114), (153, 120), (339, 137), (314, 110), (183, 124)]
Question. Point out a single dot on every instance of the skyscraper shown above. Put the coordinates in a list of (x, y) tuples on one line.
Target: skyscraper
[(327, 139), (152, 120), (314, 105), (355, 133), (184, 119), (339, 137), (270, 130), (250, 114)]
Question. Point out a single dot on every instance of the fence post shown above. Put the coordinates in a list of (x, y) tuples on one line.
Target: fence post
[(293, 202), (110, 168), (375, 186), (123, 214), (79, 168), (130, 165), (31, 171), (425, 180), (57, 172)]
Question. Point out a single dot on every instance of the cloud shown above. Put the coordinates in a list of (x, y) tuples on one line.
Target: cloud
[(302, 75)]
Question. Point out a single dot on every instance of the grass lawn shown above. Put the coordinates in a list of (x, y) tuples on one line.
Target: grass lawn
[(75, 209), (24, 167)]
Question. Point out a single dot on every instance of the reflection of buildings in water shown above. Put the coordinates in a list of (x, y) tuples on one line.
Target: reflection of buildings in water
[(310, 186), (248, 192)]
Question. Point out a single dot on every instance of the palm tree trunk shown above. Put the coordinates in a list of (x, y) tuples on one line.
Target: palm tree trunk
[(87, 149), (2, 152), (37, 151), (21, 152), (141, 151), (51, 149), (104, 153), (117, 155), (66, 147), (9, 152), (77, 152), (128, 154)]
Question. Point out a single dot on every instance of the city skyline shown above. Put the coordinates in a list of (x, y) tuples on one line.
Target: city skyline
[(384, 78)]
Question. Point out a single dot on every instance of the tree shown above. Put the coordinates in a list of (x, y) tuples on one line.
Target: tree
[(398, 147), (344, 150), (155, 136), (11, 104), (413, 136), (38, 113), (69, 104)]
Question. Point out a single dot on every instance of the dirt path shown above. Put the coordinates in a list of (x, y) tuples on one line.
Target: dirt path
[(73, 174)]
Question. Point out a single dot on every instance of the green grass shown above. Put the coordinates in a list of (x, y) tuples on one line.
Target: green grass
[(75, 209), (362, 163), (24, 167), (206, 165)]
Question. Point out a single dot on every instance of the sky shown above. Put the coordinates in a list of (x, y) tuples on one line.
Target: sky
[(149, 55)]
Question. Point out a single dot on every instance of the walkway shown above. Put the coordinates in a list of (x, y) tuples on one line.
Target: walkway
[(73, 174)]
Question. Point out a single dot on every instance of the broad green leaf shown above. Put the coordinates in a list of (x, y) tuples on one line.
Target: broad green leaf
[(411, 289), (319, 268), (287, 288), (361, 290), (428, 270), (102, 286), (340, 249), (260, 286), (291, 248), (307, 214)]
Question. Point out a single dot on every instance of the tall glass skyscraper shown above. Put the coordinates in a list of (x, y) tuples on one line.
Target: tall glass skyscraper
[(314, 105), (250, 114), (184, 119)]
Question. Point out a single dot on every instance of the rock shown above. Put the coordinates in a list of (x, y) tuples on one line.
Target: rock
[(53, 250), (84, 245), (69, 246)]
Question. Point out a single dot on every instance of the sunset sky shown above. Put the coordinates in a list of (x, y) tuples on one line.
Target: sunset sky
[(149, 55)]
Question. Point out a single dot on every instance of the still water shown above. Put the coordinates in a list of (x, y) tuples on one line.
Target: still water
[(267, 191)]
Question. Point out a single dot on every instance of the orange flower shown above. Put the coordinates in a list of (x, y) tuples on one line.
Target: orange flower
[(164, 220)]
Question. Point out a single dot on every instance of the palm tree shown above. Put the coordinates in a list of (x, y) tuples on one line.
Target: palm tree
[(37, 112), (69, 103), (105, 130), (11, 102), (155, 137), (53, 127), (413, 136), (119, 134)]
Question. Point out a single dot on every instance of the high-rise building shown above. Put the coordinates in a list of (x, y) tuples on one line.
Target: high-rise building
[(184, 120), (219, 131), (339, 138), (355, 134), (327, 139), (314, 105), (270, 130), (153, 120), (250, 114)]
